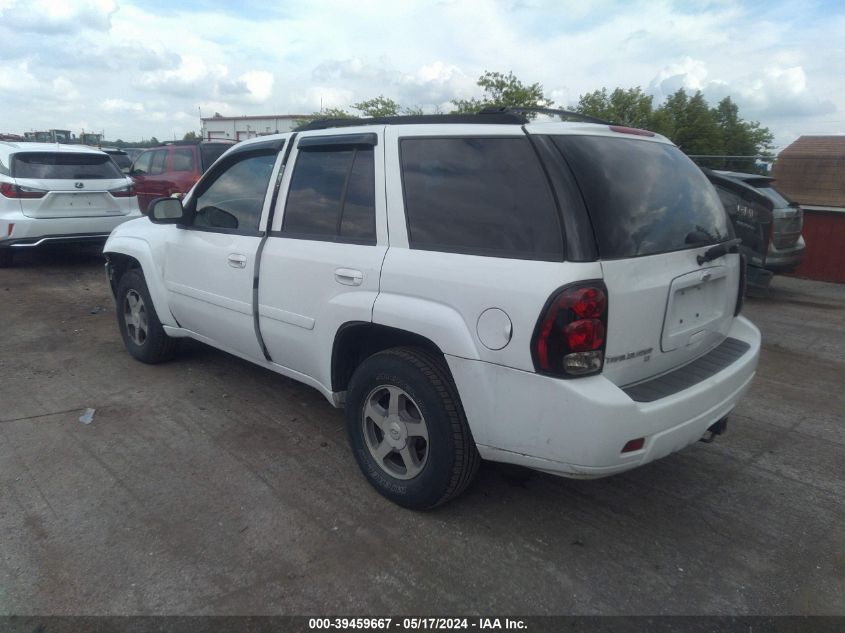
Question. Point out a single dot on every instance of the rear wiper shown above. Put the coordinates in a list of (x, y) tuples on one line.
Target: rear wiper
[(718, 251)]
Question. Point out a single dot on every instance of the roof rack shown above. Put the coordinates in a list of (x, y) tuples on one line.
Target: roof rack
[(508, 118), (563, 114)]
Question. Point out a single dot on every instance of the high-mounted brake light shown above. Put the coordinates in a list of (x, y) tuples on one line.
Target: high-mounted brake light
[(569, 339), (630, 130), (16, 191), (123, 192)]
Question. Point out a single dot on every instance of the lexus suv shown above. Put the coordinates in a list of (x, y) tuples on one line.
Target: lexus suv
[(560, 295), (51, 193)]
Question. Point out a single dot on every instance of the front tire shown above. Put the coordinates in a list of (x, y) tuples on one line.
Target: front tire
[(407, 428), (139, 326)]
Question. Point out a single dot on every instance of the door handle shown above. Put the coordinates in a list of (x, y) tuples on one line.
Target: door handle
[(237, 260), (348, 276)]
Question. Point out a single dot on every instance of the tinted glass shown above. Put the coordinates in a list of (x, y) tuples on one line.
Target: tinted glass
[(141, 166), (121, 160), (332, 193), (359, 207), (182, 160), (234, 200), (775, 196), (485, 196), (643, 197), (64, 166), (159, 159), (210, 152)]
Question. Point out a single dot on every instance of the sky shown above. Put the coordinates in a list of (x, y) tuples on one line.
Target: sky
[(137, 69)]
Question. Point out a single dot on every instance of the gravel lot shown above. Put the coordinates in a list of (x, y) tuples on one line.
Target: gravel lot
[(211, 486)]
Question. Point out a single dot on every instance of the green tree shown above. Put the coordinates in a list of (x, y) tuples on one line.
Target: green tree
[(191, 136), (377, 107), (690, 123), (741, 138), (502, 90), (630, 107)]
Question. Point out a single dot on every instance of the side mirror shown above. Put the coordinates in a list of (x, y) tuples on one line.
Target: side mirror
[(166, 211)]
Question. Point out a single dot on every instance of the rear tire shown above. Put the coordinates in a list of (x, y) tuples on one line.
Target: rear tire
[(139, 326), (408, 430)]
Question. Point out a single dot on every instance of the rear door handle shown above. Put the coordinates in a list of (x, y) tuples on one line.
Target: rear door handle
[(349, 276), (236, 260)]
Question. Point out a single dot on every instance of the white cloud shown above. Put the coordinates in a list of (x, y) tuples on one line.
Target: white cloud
[(121, 105), (57, 16), (141, 71)]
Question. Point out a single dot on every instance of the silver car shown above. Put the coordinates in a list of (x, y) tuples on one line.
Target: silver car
[(52, 193)]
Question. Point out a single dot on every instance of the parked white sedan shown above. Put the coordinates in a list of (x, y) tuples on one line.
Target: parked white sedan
[(51, 193)]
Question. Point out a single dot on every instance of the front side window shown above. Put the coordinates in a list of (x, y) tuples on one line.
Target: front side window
[(233, 201), (64, 166), (141, 166), (480, 196), (332, 195), (157, 165)]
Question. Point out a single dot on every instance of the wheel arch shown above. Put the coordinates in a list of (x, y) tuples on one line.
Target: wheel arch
[(355, 341), (126, 253)]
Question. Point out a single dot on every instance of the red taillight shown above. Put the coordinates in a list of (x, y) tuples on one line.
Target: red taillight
[(584, 335), (16, 191), (630, 130), (123, 192), (570, 336)]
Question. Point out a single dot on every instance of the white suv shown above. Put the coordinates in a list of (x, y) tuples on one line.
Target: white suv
[(564, 296), (51, 193)]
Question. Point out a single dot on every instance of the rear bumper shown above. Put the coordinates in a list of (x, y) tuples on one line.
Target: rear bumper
[(577, 428), (785, 260), (46, 240), (30, 233)]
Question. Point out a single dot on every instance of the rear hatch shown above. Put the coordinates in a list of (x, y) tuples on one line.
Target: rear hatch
[(69, 185), (653, 213)]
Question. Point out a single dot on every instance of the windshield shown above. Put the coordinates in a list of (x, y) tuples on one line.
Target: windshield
[(64, 166), (643, 197)]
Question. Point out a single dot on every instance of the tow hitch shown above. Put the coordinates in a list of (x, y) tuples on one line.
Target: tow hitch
[(718, 428)]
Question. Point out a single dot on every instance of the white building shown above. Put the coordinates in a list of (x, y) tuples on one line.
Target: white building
[(240, 128)]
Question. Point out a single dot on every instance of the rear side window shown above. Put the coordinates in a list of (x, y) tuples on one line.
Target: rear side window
[(643, 197), (332, 196), (210, 152), (480, 196), (64, 166), (182, 160)]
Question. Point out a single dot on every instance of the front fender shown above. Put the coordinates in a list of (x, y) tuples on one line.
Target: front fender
[(151, 265)]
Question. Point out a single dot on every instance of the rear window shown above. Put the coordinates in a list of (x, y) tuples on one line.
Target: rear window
[(643, 197), (774, 195), (64, 166), (210, 152), (480, 196)]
